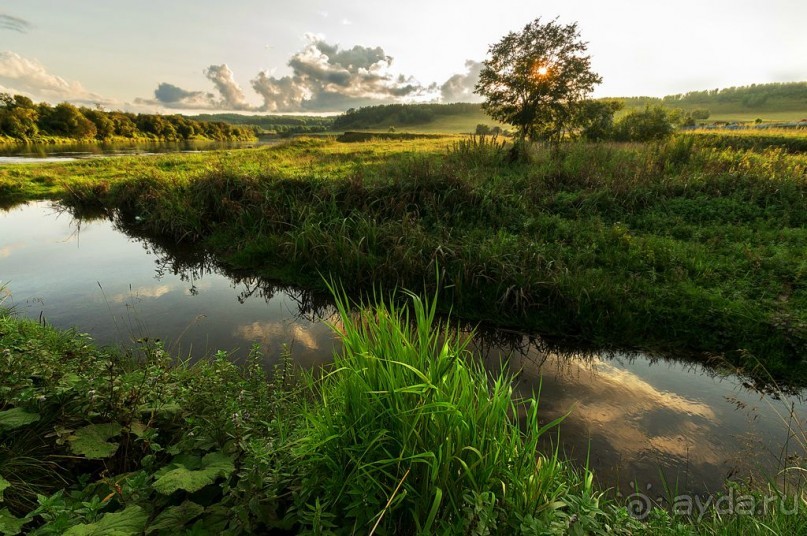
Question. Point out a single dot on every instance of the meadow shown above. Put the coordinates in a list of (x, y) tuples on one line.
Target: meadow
[(678, 246), (672, 246)]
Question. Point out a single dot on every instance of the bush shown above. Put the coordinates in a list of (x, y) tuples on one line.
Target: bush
[(651, 124)]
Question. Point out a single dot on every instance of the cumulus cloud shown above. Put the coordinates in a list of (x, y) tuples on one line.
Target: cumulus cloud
[(460, 87), (27, 76), (231, 95), (173, 96), (324, 77), (16, 24)]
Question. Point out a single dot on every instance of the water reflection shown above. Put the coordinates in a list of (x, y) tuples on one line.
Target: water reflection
[(639, 418), (657, 421)]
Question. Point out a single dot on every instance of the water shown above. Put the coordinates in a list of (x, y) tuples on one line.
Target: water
[(40, 153), (635, 415)]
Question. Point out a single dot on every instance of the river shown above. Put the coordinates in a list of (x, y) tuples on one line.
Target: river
[(636, 416)]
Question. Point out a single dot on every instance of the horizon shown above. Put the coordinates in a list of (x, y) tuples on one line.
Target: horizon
[(311, 57)]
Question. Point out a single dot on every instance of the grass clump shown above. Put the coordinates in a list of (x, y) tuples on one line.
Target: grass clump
[(412, 436)]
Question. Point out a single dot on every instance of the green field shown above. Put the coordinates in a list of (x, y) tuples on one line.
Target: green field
[(692, 246), (453, 124), (682, 246)]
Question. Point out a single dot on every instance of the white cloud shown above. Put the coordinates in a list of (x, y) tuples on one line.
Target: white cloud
[(28, 76)]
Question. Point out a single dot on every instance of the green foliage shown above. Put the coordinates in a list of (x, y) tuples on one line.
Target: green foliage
[(15, 418), (91, 441), (193, 474), (588, 241), (596, 118), (382, 116), (651, 124), (283, 125), (537, 79), (25, 121), (130, 522), (405, 433), (173, 518), (9, 524), (753, 140), (413, 436)]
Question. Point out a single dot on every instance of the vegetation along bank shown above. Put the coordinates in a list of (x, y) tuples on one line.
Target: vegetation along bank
[(671, 245)]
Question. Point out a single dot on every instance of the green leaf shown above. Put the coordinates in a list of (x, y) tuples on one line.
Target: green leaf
[(4, 484), (172, 519), (91, 441), (138, 428), (130, 522), (16, 418), (213, 466), (10, 525)]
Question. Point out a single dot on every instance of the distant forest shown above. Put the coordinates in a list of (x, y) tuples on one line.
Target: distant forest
[(784, 96), (790, 95), (282, 125), (23, 120)]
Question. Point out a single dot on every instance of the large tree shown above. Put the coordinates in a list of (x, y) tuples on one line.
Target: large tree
[(537, 79)]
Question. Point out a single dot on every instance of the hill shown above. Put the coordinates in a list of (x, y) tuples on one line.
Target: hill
[(769, 102)]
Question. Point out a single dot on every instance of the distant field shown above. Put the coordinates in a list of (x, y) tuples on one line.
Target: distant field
[(453, 124), (466, 123), (767, 117), (461, 123), (770, 103)]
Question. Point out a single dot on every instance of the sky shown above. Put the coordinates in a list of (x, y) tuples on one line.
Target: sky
[(310, 56)]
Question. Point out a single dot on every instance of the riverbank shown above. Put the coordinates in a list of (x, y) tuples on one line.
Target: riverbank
[(673, 247), (95, 440), (7, 141)]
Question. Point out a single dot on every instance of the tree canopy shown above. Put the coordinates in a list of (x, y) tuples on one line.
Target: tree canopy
[(537, 79), (24, 120)]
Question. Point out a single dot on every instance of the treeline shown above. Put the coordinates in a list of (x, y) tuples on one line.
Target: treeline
[(753, 96), (23, 120), (384, 116), (283, 125)]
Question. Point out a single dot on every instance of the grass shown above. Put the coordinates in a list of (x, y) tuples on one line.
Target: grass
[(405, 433), (792, 141), (673, 247)]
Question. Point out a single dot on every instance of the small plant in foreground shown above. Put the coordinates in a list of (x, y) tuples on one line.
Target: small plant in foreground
[(412, 435)]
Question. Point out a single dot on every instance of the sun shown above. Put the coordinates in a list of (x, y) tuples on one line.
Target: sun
[(541, 71)]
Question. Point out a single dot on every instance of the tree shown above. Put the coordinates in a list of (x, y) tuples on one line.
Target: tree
[(596, 118), (648, 125), (537, 79), (104, 126), (67, 120)]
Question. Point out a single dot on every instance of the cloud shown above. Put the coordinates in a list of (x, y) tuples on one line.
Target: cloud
[(9, 22), (324, 77), (176, 97), (231, 94), (24, 75), (460, 87), (154, 292), (285, 332)]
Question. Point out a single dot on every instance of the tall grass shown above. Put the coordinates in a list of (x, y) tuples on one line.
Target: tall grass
[(412, 436), (672, 246)]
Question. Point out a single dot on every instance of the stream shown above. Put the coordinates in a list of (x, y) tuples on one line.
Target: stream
[(642, 420)]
